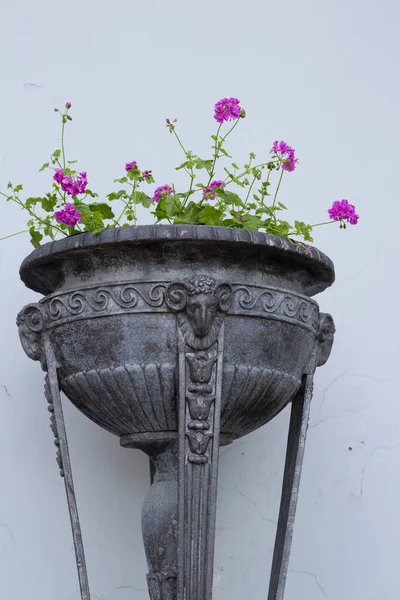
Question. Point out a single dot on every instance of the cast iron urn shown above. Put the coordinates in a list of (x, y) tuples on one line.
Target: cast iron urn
[(179, 339)]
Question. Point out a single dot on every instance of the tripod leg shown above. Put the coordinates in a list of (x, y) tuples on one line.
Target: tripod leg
[(290, 488), (52, 392)]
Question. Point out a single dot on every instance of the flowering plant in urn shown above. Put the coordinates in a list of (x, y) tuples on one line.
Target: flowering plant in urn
[(219, 191)]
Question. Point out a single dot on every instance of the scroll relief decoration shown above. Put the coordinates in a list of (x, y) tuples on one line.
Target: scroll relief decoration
[(149, 296)]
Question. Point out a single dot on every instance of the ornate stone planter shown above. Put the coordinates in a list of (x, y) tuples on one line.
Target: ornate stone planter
[(179, 339)]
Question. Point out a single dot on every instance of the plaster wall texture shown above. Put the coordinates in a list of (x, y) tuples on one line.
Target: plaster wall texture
[(323, 77)]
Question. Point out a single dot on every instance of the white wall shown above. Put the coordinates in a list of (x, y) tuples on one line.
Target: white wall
[(324, 77)]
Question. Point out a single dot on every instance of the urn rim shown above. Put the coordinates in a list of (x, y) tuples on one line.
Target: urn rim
[(51, 255)]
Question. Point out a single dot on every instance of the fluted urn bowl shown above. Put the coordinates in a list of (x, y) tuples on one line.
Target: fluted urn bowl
[(117, 306)]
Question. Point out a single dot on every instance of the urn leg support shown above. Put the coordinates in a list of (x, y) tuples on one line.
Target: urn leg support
[(291, 480), (52, 392)]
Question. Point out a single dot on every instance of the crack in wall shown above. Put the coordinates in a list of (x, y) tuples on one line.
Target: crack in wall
[(315, 579), (256, 505), (5, 389), (366, 460)]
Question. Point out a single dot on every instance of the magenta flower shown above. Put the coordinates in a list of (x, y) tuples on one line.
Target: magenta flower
[(68, 105), (210, 191), (58, 175), (68, 215), (227, 109), (71, 186), (162, 192), (131, 165), (286, 154), (341, 210), (147, 174)]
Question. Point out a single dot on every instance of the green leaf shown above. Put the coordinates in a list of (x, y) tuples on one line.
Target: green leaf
[(122, 180), (252, 222), (231, 223), (229, 197), (49, 231), (211, 215), (44, 166), (91, 220), (103, 209), (204, 164), (234, 165), (36, 237), (48, 202), (32, 202), (143, 199), (18, 188), (117, 195), (91, 194), (134, 174), (185, 165), (55, 156), (168, 207), (189, 215), (224, 152), (303, 230), (282, 206)]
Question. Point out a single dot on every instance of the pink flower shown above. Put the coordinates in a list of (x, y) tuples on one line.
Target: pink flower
[(131, 165), (162, 192), (286, 154), (227, 109), (147, 174), (58, 175), (68, 105), (341, 210), (210, 191), (68, 215), (71, 186)]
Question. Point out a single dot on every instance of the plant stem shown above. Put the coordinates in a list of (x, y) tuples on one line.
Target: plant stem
[(231, 129), (123, 211), (325, 223), (179, 141), (247, 171), (13, 234), (35, 216), (277, 190), (135, 203), (216, 148), (64, 120), (248, 193), (190, 173)]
